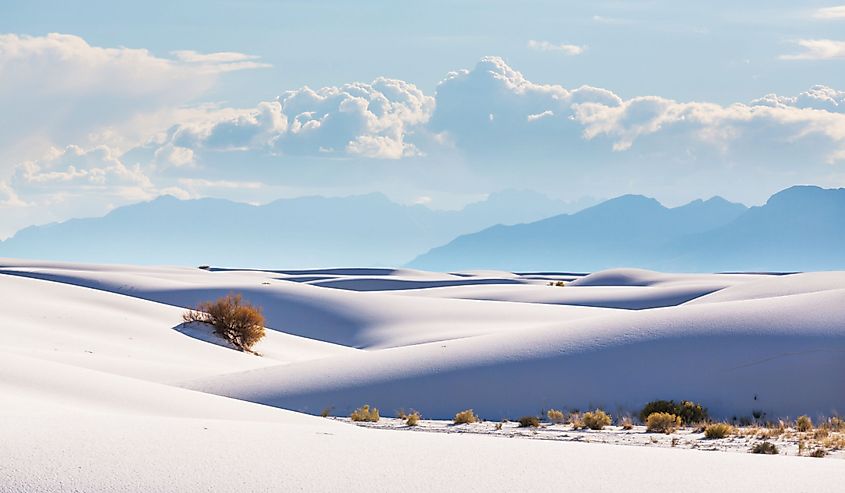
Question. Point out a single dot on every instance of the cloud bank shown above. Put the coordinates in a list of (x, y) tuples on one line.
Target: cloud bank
[(105, 126)]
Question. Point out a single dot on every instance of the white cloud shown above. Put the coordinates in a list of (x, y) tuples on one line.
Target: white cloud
[(817, 49), (223, 61), (368, 120), (818, 97), (566, 49), (828, 13), (62, 90)]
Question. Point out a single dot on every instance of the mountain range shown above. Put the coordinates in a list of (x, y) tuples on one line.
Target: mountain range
[(800, 228), (300, 232)]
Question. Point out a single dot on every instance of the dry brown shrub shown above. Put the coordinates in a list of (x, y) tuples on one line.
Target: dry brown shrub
[(718, 430), (804, 423), (662, 423), (465, 417), (529, 422), (233, 319), (412, 419), (596, 420), (556, 416), (627, 423), (365, 413)]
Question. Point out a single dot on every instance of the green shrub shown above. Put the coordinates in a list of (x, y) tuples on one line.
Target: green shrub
[(529, 422), (804, 423), (555, 416), (596, 420), (689, 412), (465, 417), (764, 448), (365, 413), (718, 430), (233, 319), (662, 423)]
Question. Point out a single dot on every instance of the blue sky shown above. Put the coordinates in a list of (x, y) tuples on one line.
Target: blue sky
[(683, 100)]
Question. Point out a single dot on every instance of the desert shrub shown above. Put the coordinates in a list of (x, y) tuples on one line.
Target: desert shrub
[(555, 416), (233, 319), (576, 420), (689, 412), (412, 419), (596, 420), (465, 417), (325, 412), (718, 430), (764, 448), (499, 426), (818, 453), (529, 422), (804, 423), (662, 423), (627, 423), (365, 413)]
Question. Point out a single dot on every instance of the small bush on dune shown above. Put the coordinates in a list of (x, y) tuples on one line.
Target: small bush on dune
[(662, 423), (627, 423), (465, 417), (529, 422), (596, 420), (365, 413), (412, 419), (325, 412), (555, 416), (764, 448), (689, 412), (718, 430), (818, 453), (576, 421), (233, 319), (804, 423)]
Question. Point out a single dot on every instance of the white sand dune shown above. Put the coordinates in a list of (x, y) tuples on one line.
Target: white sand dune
[(104, 390)]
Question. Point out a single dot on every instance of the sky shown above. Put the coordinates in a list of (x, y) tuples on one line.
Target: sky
[(438, 103)]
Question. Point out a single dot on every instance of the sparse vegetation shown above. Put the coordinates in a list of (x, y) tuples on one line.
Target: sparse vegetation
[(529, 422), (596, 420), (325, 412), (412, 419), (768, 448), (233, 319), (365, 413), (662, 423), (499, 426), (718, 430), (466, 417), (555, 416), (627, 423), (818, 453), (804, 423), (689, 412), (558, 284)]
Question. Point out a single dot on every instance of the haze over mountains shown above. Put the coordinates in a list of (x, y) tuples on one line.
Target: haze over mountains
[(299, 232), (800, 228)]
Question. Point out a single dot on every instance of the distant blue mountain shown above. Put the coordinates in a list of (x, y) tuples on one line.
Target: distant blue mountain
[(800, 228), (301, 232), (630, 231)]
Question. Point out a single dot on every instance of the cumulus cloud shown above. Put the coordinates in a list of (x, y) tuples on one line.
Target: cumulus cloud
[(62, 90), (828, 13), (566, 49), (369, 120), (818, 97), (817, 49)]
